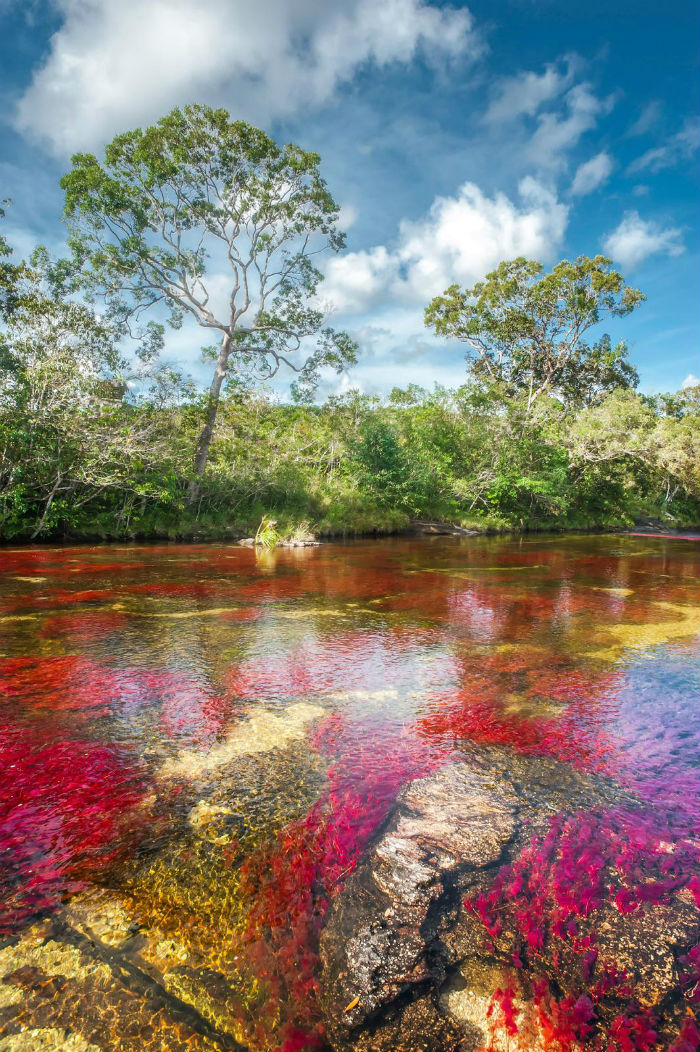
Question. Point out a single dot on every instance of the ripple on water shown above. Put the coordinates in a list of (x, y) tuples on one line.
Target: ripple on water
[(198, 746)]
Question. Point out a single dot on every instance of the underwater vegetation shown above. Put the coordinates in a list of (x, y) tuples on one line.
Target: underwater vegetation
[(212, 737)]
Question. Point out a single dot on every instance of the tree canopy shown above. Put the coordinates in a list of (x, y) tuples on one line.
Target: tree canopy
[(203, 218), (68, 435), (525, 328), (211, 219)]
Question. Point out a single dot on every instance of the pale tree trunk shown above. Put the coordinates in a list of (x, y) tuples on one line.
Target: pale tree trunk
[(40, 525), (207, 433)]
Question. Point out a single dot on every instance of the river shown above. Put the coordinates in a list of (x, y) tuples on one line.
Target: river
[(199, 742)]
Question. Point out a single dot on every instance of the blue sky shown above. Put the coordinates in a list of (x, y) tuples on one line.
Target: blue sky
[(453, 136)]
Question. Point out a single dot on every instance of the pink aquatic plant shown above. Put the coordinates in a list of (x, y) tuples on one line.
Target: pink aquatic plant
[(68, 809)]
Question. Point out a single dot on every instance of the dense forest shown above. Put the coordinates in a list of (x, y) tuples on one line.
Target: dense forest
[(100, 438)]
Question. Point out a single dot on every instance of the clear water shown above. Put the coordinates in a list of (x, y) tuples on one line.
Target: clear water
[(198, 741)]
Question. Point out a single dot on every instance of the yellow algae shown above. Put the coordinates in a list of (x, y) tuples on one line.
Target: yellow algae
[(204, 813), (50, 957), (100, 914), (209, 1004), (206, 819), (181, 614), (261, 732), (509, 569), (306, 612), (466, 574), (160, 951), (386, 694), (9, 995), (51, 1039), (166, 951), (470, 1003), (530, 707), (685, 623), (522, 648)]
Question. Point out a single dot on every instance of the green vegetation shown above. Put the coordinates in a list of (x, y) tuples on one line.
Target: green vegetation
[(196, 202), (547, 432)]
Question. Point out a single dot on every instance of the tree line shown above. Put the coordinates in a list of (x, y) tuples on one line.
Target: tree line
[(208, 219)]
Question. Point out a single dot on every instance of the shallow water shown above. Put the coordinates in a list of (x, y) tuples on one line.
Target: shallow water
[(199, 740)]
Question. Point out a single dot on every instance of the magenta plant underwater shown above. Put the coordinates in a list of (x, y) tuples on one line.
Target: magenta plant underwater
[(411, 664)]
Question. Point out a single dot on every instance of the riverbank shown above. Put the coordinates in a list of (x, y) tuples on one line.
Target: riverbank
[(300, 534), (357, 468)]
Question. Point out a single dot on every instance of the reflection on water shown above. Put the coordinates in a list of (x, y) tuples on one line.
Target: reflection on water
[(198, 743)]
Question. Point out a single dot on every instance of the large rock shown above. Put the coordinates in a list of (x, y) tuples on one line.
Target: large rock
[(377, 944), (405, 967)]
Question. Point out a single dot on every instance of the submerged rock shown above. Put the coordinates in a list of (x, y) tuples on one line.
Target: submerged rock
[(260, 732), (381, 938), (406, 967), (466, 998)]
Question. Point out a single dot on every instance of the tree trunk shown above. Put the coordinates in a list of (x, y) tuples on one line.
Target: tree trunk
[(207, 433), (40, 525)]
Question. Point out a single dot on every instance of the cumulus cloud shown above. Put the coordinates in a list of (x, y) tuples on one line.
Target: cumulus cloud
[(592, 174), (355, 280), (636, 238), (117, 63), (459, 239), (679, 147), (463, 237)]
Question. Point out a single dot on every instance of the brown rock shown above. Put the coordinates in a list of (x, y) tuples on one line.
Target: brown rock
[(377, 944), (405, 966)]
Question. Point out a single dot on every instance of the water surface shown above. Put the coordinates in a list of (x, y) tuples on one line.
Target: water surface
[(199, 740)]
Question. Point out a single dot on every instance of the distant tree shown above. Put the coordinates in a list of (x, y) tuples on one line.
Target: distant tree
[(677, 441), (10, 276), (212, 219), (525, 328), (68, 435)]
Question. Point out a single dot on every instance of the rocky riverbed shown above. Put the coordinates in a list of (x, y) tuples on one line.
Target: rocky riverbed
[(408, 966)]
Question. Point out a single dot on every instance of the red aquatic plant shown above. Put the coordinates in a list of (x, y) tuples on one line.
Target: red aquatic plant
[(68, 809), (290, 884), (84, 626), (189, 708)]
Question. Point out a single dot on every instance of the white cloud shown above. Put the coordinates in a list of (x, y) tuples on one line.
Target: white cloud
[(355, 280), (526, 92), (636, 238), (114, 64), (381, 292), (592, 174), (649, 116), (561, 110), (678, 147), (463, 237), (691, 380), (458, 240), (348, 216), (557, 133)]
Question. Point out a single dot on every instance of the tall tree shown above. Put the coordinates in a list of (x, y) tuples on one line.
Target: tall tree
[(212, 219), (525, 328)]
